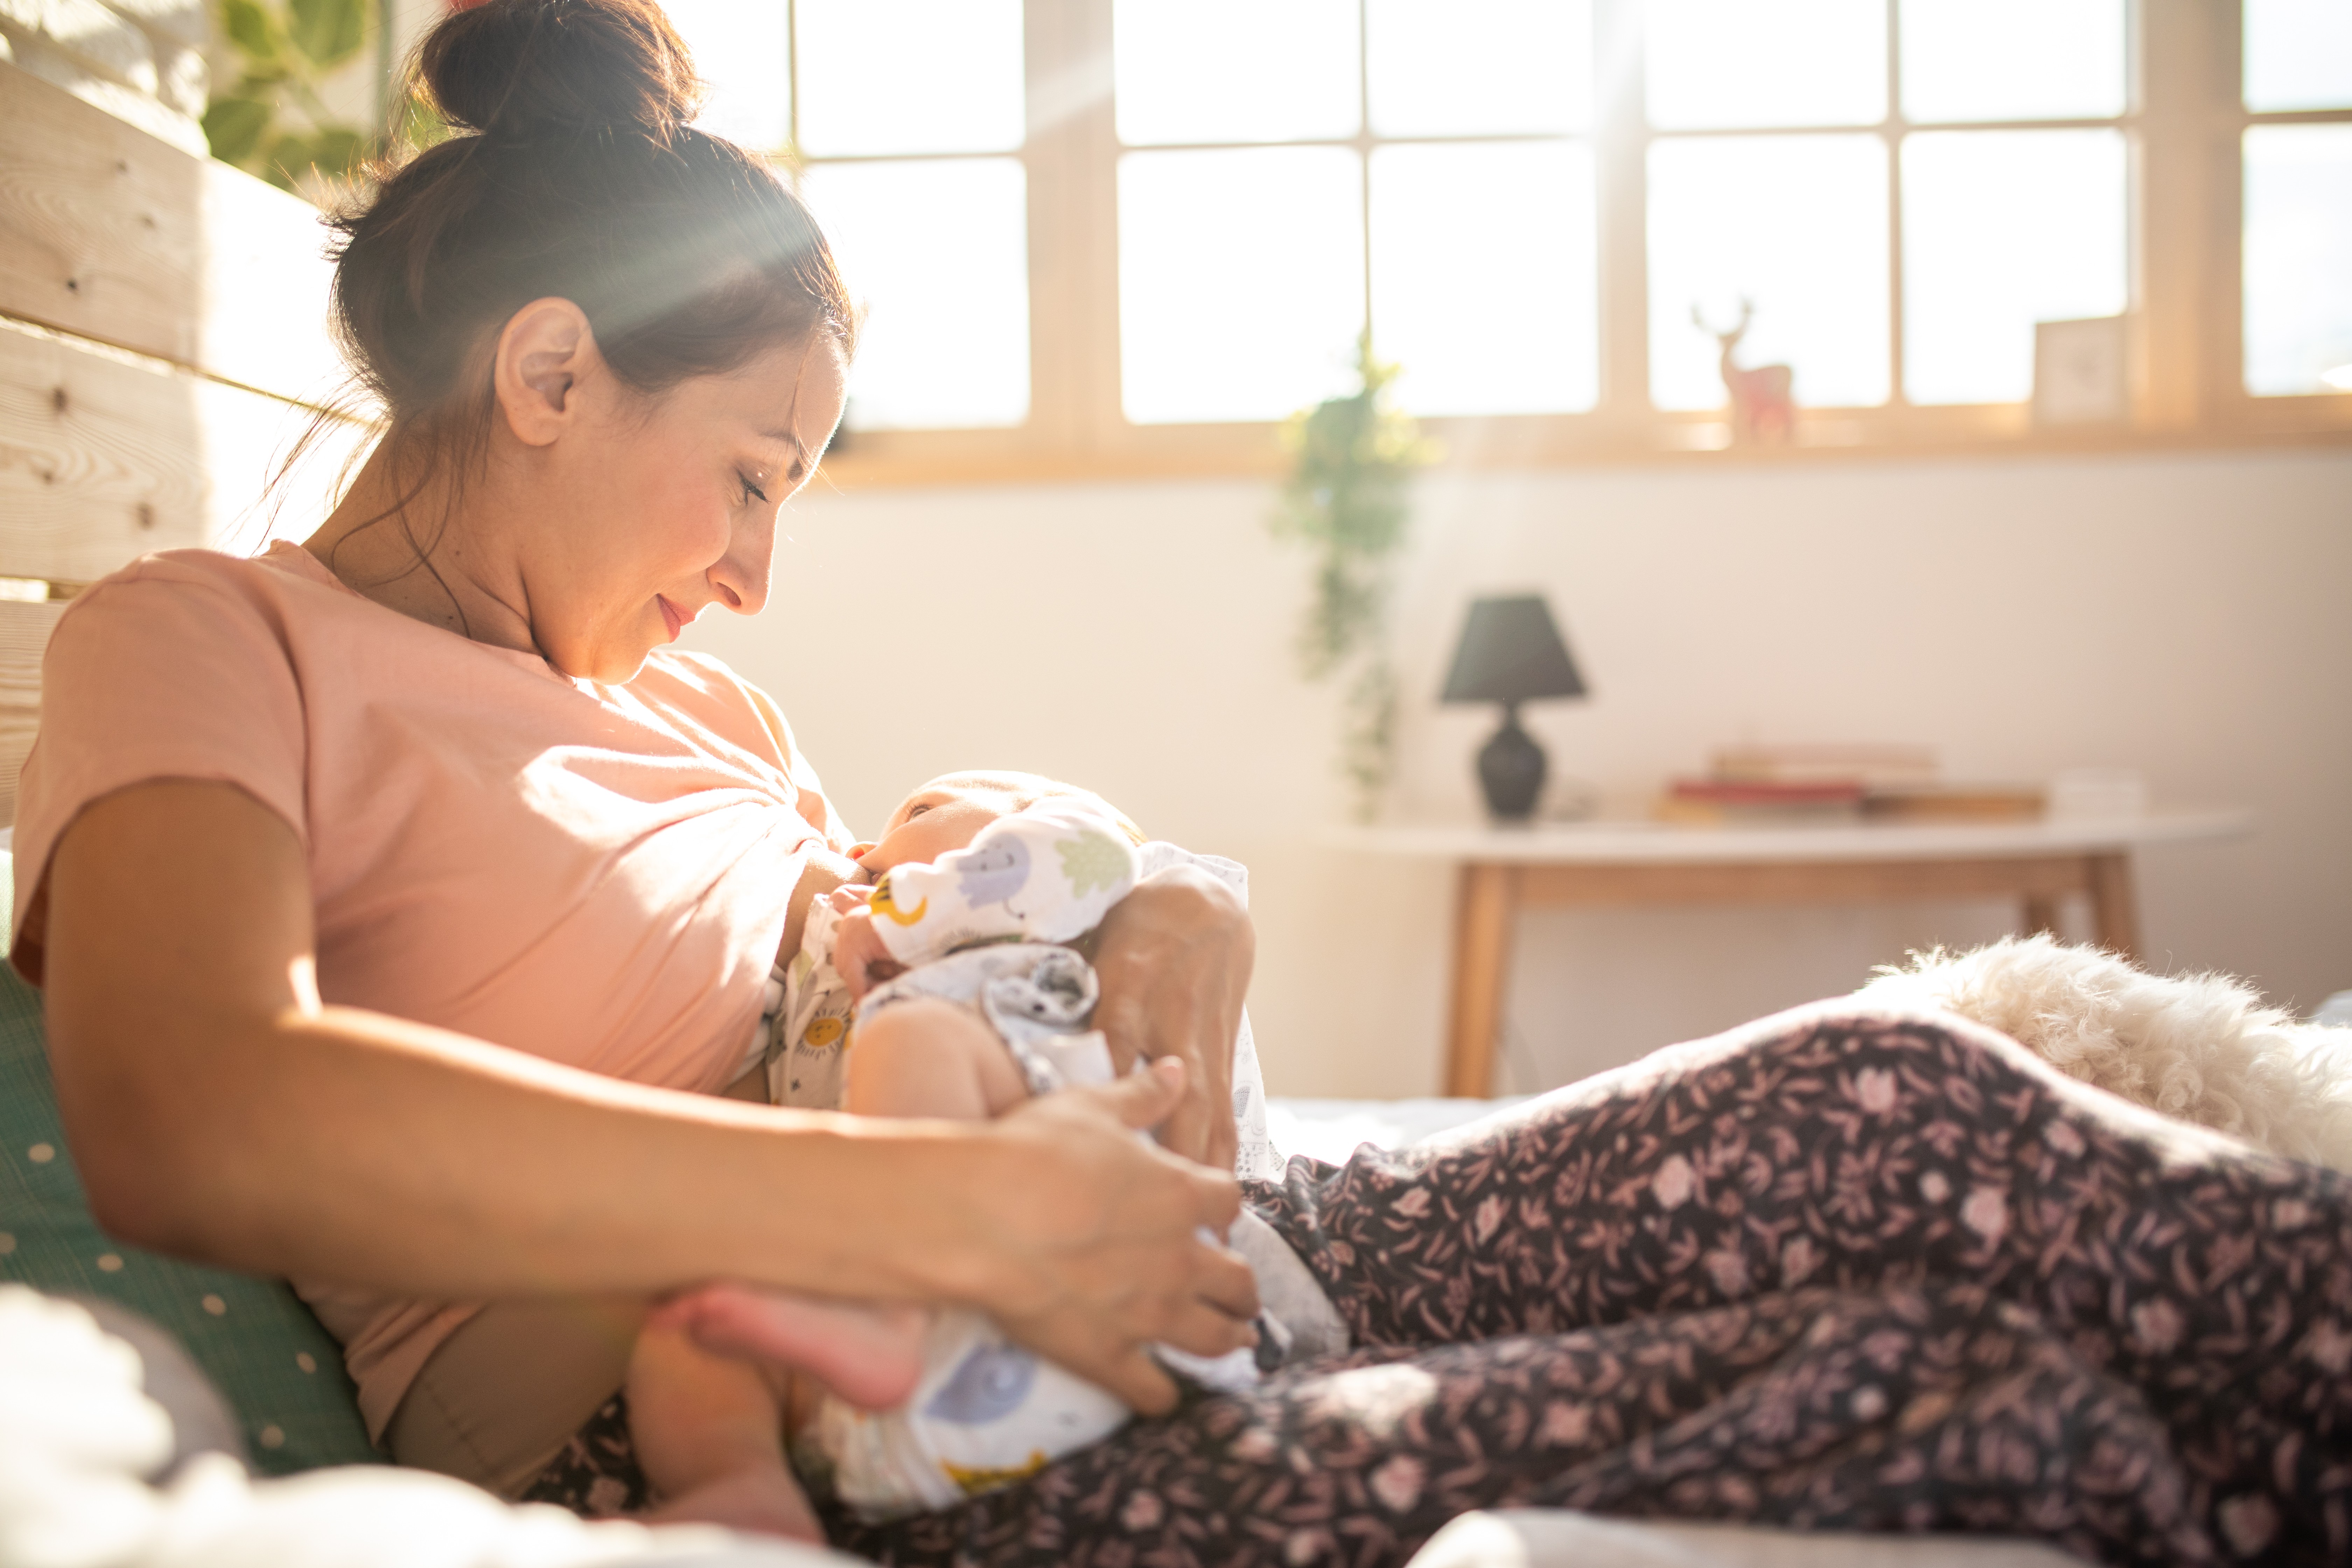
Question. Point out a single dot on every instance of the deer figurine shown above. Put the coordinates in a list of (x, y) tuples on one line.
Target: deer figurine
[(1762, 408)]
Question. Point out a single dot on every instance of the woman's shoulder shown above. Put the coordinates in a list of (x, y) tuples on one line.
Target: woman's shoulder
[(220, 581)]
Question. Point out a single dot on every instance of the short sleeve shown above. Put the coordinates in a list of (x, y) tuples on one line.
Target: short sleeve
[(159, 672)]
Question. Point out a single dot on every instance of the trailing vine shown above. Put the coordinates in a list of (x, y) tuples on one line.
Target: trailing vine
[(1346, 498)]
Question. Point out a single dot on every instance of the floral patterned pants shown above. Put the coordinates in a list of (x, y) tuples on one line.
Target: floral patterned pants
[(1840, 1267)]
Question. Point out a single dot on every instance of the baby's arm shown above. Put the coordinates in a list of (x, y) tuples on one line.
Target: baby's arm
[(1046, 874)]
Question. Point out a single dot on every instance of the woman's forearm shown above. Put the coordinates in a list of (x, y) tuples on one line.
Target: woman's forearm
[(216, 1109)]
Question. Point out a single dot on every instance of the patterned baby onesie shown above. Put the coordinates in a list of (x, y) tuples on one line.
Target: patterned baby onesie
[(810, 1017)]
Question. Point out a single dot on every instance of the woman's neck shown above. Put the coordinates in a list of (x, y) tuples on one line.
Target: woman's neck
[(418, 548)]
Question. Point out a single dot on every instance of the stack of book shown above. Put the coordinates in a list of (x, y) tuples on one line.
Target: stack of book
[(1795, 784)]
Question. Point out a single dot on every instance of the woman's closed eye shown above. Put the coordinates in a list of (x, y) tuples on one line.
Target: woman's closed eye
[(752, 491)]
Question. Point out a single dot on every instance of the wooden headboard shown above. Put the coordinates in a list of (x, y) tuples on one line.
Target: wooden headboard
[(162, 342)]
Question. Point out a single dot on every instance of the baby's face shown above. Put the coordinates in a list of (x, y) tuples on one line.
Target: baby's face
[(945, 815)]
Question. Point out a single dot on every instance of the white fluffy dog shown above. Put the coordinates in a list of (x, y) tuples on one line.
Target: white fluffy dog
[(2202, 1048)]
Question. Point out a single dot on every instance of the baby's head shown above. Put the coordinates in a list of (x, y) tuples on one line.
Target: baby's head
[(948, 813)]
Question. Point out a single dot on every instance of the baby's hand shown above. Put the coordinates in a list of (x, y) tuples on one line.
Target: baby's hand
[(858, 955), (850, 896)]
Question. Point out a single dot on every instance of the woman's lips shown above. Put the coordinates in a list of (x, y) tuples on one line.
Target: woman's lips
[(676, 619)]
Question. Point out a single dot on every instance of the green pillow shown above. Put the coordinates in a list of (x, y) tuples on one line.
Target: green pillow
[(280, 1371)]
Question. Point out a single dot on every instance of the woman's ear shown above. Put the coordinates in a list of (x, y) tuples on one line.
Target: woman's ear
[(546, 350)]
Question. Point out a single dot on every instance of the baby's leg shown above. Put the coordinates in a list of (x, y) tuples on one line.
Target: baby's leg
[(709, 1433), (928, 1057), (921, 1058)]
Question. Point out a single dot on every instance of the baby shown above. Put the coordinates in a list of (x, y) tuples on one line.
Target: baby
[(945, 965)]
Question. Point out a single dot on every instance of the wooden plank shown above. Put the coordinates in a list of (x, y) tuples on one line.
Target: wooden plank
[(112, 233), (23, 633), (105, 456), (1816, 882)]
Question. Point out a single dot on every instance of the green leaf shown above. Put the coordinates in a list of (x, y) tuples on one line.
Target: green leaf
[(338, 149), (248, 27), (329, 31), (234, 128)]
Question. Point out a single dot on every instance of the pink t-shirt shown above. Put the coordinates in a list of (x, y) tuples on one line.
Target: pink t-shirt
[(596, 875)]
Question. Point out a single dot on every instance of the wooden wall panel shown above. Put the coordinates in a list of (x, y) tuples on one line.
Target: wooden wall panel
[(105, 456), (110, 234), (23, 634)]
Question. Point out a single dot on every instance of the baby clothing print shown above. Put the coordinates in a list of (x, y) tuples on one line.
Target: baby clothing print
[(1048, 873), (592, 874)]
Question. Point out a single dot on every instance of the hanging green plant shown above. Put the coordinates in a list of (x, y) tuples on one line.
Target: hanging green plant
[(272, 122), (1353, 457)]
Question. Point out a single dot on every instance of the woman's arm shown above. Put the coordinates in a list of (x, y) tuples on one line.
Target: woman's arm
[(1175, 959), (217, 1108)]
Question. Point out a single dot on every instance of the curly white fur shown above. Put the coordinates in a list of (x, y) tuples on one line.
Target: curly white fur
[(2202, 1048)]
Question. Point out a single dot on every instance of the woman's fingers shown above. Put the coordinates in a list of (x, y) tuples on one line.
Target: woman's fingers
[(1102, 1254), (1144, 1099)]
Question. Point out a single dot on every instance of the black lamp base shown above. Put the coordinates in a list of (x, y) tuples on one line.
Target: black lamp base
[(1511, 771)]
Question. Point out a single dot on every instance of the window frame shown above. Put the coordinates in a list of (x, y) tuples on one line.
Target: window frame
[(2183, 125)]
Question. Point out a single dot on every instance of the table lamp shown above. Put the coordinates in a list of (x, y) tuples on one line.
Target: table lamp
[(1511, 653)]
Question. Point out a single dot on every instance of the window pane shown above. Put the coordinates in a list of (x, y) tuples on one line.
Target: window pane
[(741, 51), (2298, 55), (1463, 68), (2003, 229), (1482, 281), (1235, 70), (937, 254), (909, 76), (1725, 64), (2012, 59), (1797, 226), (2298, 277), (1240, 281)]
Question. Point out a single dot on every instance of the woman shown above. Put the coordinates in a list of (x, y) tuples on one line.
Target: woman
[(304, 832), (1842, 1267)]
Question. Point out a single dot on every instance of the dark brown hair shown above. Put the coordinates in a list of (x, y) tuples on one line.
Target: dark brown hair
[(575, 175)]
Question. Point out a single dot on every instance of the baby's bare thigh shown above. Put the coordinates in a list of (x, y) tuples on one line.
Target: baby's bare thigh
[(929, 1058)]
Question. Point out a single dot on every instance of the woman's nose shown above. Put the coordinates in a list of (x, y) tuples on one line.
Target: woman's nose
[(741, 577)]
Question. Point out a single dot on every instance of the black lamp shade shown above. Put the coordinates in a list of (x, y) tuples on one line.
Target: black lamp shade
[(1511, 652)]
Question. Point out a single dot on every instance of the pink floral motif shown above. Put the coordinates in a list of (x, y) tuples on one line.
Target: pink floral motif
[(2249, 1524), (2156, 1326), (1874, 1091), (1398, 1483), (1674, 1182), (1986, 1212)]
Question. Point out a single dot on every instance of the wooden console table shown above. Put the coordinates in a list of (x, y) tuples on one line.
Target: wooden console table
[(1504, 870)]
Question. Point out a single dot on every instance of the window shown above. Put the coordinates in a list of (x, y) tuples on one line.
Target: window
[(1130, 235)]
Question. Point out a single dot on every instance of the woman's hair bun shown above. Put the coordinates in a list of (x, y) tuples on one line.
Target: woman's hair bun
[(520, 68)]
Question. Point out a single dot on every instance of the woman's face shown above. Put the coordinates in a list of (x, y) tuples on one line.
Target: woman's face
[(668, 506)]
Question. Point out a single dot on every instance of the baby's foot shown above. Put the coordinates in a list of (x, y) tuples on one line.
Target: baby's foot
[(871, 1356), (761, 1498)]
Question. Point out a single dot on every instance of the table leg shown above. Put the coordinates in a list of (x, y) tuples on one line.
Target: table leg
[(2041, 914), (1482, 947), (2115, 911)]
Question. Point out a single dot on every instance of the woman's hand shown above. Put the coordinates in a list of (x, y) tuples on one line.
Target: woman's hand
[(1175, 959), (1091, 1238)]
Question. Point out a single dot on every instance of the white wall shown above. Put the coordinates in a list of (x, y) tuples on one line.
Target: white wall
[(2189, 616)]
